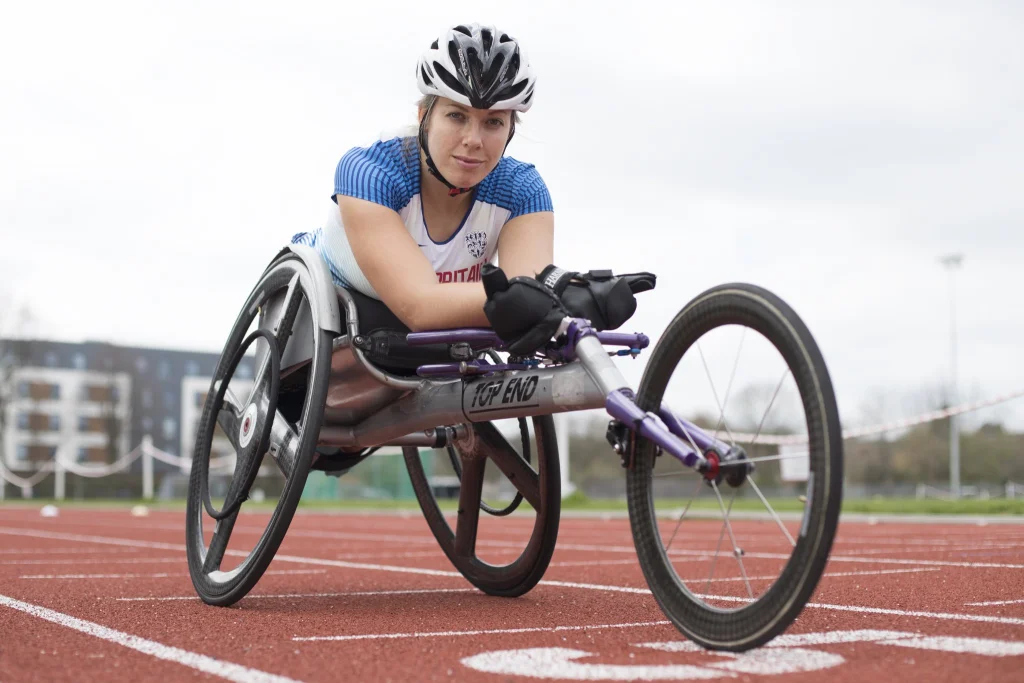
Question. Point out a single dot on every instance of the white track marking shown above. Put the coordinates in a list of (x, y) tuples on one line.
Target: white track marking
[(493, 631), (974, 646), (993, 603), (209, 665), (64, 551), (603, 562), (565, 584), (176, 575), (773, 577), (140, 560), (558, 663), (252, 596), (894, 612)]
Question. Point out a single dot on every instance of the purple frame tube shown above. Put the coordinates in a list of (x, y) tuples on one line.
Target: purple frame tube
[(620, 405)]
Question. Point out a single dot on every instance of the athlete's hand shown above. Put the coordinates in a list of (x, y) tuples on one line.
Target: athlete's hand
[(605, 300), (522, 311)]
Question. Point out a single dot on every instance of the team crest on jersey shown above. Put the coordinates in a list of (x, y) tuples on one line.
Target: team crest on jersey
[(476, 242)]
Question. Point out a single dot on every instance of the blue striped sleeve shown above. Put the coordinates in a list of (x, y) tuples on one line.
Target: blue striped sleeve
[(376, 174), (530, 193)]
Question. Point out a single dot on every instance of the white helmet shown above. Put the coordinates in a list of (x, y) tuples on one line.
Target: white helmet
[(477, 66)]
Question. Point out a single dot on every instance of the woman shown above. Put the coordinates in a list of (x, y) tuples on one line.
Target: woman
[(418, 217)]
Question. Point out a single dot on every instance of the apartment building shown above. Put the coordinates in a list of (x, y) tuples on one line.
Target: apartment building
[(95, 401)]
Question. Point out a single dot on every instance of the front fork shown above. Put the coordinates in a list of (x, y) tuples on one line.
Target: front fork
[(684, 440)]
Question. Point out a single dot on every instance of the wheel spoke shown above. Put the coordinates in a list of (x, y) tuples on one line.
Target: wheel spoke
[(718, 546), (736, 550), (728, 388), (770, 404), (229, 417), (772, 511), (721, 410), (219, 542), (693, 497), (519, 472), (469, 505)]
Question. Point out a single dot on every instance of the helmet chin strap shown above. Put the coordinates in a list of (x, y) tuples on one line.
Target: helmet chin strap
[(453, 191)]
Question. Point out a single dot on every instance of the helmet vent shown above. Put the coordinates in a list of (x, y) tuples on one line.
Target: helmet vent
[(450, 80), (463, 30), (433, 45), (505, 38), (487, 39), (426, 78)]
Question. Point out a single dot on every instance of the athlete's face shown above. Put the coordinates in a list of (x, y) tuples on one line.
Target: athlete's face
[(465, 143)]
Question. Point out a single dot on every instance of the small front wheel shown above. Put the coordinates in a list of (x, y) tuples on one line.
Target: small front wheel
[(759, 524)]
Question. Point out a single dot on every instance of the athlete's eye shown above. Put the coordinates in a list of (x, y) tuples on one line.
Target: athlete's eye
[(456, 115), (496, 123)]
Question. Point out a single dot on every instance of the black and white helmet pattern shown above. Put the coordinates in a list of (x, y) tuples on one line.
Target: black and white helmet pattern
[(477, 66)]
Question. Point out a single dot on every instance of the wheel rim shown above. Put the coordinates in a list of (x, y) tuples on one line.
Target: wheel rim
[(771, 561), (280, 303), (539, 487)]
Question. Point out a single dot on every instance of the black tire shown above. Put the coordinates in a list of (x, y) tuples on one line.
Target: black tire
[(518, 577), (771, 613), (213, 586)]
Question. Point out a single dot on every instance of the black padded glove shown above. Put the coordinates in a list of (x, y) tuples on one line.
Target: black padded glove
[(606, 300), (523, 313)]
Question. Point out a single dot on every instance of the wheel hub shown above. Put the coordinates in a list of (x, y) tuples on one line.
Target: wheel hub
[(248, 426)]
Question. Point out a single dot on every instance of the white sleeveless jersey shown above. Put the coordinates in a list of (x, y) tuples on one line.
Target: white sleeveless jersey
[(388, 173)]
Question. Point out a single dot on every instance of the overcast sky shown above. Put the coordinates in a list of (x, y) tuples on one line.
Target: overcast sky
[(152, 161)]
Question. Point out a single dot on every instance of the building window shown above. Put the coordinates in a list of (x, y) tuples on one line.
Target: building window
[(141, 364), (147, 398), (163, 369), (22, 453), (147, 424), (192, 368), (170, 427), (22, 420), (24, 389), (54, 391), (169, 399), (54, 423), (50, 359), (78, 360)]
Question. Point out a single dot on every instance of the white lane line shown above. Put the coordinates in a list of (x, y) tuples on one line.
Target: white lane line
[(992, 603), (443, 634), (604, 562), (252, 596), (154, 576), (565, 584), (159, 560), (630, 549), (892, 612), (64, 551), (974, 646), (772, 577), (193, 660)]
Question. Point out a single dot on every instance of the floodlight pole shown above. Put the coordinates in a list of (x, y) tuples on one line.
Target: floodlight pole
[(952, 262)]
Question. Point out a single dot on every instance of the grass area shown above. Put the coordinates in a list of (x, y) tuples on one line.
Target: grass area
[(993, 506)]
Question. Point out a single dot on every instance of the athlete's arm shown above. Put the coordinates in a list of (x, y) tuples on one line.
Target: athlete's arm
[(402, 275), (526, 244)]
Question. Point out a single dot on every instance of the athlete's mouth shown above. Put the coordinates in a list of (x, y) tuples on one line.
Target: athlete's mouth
[(467, 162)]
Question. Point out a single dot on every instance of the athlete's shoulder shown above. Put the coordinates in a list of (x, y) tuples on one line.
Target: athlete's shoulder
[(517, 186), (386, 172)]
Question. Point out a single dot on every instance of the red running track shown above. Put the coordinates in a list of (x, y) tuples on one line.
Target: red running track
[(93, 595)]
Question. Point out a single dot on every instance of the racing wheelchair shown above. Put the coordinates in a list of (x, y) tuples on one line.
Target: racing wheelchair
[(336, 375)]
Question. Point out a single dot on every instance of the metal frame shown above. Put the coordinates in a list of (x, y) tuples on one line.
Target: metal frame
[(377, 408)]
